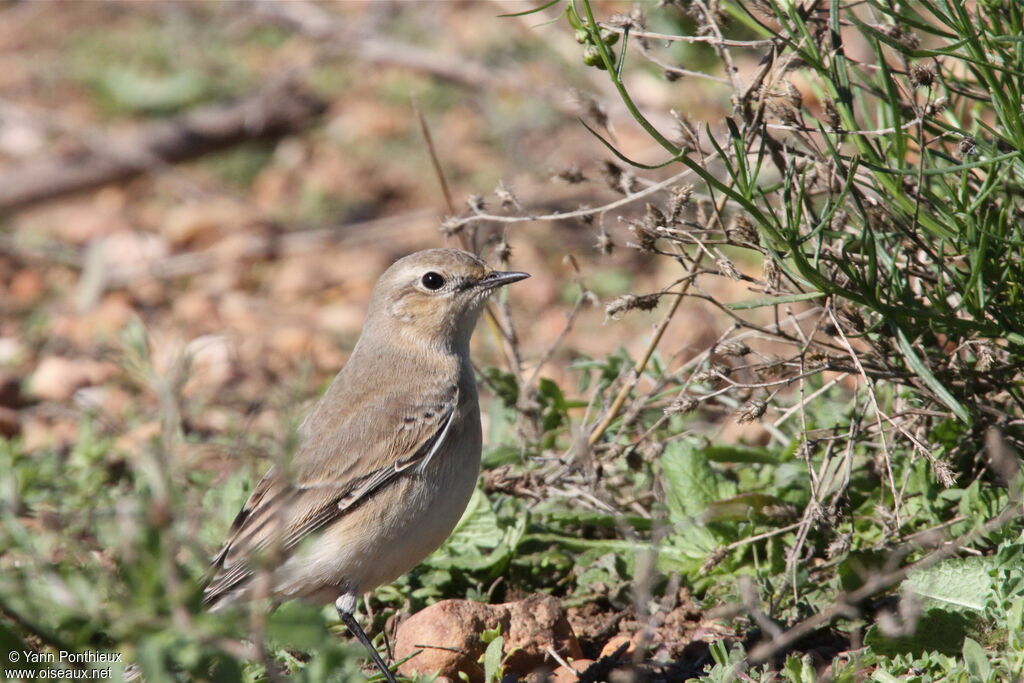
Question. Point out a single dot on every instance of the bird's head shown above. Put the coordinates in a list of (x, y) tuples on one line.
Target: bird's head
[(434, 297)]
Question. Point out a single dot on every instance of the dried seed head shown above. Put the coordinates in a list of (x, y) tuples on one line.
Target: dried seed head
[(604, 244), (682, 406), (670, 76), (944, 473), (815, 359), (985, 357), (634, 21), (908, 39), (937, 106), (617, 307), (714, 559), (732, 348), (966, 147), (783, 100), (653, 218), (741, 230), (685, 134), (713, 373), (922, 75), (839, 546), (831, 114), (727, 269), (751, 411), (571, 174), (677, 199), (476, 203), (771, 274), (505, 196), (646, 238), (452, 225)]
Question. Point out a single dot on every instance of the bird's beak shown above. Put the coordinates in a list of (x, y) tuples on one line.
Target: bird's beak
[(497, 278)]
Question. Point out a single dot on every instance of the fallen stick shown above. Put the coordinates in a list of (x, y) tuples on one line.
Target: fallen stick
[(272, 112)]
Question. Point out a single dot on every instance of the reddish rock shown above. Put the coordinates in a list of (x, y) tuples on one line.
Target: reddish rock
[(613, 645), (563, 675), (537, 623), (447, 635)]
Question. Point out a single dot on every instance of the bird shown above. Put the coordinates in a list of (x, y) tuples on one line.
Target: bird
[(386, 460)]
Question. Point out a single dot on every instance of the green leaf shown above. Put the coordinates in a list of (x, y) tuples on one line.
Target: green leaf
[(690, 482), (963, 583), (936, 630), (926, 375), (492, 659), (774, 301), (479, 542), (976, 661), (742, 507), (800, 670)]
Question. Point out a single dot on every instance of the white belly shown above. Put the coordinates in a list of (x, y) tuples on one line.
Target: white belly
[(392, 532)]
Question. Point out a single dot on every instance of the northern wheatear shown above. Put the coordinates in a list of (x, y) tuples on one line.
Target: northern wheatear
[(387, 459)]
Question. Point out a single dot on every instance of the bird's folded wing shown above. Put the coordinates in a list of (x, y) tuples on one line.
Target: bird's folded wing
[(280, 514)]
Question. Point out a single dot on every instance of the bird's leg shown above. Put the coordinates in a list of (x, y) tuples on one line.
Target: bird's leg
[(346, 606)]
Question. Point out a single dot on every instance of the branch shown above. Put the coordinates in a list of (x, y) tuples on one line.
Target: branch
[(273, 112)]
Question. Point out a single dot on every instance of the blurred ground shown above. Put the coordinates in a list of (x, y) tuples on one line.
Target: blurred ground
[(257, 261)]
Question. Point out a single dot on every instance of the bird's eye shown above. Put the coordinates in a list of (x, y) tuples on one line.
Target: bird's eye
[(433, 281)]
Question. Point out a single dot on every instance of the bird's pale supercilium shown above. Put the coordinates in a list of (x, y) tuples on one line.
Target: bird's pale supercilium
[(387, 459)]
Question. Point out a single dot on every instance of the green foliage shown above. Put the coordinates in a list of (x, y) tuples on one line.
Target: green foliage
[(892, 203), (890, 206)]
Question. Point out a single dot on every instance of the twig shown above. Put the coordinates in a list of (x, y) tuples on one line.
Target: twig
[(712, 40), (275, 111), (641, 363)]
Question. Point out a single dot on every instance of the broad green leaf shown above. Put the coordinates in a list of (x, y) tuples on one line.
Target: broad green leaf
[(963, 583), (479, 542), (976, 661), (492, 659), (690, 482), (742, 507), (936, 630)]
